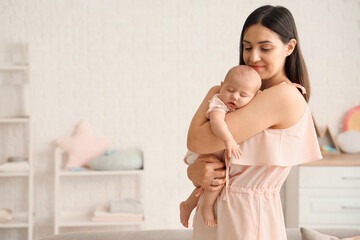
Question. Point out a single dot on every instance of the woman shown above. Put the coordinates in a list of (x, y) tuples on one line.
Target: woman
[(275, 131)]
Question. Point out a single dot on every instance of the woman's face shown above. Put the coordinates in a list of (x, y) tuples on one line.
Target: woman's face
[(265, 52)]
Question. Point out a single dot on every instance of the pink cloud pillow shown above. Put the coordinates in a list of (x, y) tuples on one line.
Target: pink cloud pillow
[(83, 146)]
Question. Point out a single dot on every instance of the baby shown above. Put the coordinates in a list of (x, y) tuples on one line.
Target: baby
[(240, 86)]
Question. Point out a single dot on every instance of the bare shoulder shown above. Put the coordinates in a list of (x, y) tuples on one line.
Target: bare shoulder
[(286, 92), (214, 90), (289, 103)]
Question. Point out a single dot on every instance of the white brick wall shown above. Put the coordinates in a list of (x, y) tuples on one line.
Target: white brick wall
[(137, 70)]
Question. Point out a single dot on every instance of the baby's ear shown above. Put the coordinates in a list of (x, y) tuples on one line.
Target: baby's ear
[(222, 83)]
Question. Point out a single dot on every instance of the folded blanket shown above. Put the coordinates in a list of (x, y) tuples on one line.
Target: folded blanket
[(118, 219), (15, 167), (102, 214), (126, 206)]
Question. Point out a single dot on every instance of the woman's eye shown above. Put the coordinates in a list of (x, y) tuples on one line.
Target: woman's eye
[(247, 48), (266, 49)]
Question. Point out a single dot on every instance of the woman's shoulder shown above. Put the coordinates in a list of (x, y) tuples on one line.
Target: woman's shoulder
[(212, 93), (285, 94), (214, 90), (290, 103)]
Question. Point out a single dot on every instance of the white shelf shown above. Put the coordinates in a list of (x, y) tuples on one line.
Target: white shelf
[(63, 219), (13, 67), (90, 172), (15, 223), (14, 174), (14, 120), (10, 71), (85, 221)]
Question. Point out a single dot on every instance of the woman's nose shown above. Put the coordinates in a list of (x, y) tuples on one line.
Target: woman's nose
[(255, 56)]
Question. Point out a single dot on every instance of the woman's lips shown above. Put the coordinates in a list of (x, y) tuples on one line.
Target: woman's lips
[(256, 67)]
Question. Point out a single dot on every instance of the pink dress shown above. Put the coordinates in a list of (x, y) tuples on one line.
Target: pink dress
[(249, 207)]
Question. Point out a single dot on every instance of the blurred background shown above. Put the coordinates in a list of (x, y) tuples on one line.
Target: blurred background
[(137, 70)]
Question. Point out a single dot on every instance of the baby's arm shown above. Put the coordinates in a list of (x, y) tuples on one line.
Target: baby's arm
[(220, 129)]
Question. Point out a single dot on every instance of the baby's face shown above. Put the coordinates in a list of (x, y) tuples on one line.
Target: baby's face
[(237, 91)]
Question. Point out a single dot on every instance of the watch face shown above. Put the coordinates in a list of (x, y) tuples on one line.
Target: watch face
[(352, 119)]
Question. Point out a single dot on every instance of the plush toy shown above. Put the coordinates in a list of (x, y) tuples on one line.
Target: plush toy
[(349, 141), (83, 146), (125, 159), (5, 215)]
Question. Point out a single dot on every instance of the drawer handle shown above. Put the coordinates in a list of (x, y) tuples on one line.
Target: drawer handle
[(350, 207), (351, 178)]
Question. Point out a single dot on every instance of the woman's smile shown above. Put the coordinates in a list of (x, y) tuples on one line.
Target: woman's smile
[(257, 67)]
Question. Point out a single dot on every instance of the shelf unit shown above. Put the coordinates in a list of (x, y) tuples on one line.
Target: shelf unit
[(15, 120), (12, 67), (66, 220), (24, 219), (15, 223), (15, 174)]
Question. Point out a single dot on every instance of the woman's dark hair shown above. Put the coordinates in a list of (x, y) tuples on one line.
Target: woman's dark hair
[(280, 20)]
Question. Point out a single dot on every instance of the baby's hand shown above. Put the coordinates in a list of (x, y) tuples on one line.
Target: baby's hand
[(232, 148)]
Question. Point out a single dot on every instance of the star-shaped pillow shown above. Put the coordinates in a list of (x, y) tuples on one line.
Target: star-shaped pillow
[(83, 146)]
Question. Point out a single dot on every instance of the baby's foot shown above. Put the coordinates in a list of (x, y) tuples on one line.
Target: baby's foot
[(185, 212), (211, 223), (207, 213)]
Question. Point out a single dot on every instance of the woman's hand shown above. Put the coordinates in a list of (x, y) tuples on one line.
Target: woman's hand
[(208, 172)]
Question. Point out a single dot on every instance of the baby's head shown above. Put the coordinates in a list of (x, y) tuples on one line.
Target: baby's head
[(240, 86)]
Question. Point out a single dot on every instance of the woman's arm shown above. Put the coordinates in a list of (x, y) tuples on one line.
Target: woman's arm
[(277, 107)]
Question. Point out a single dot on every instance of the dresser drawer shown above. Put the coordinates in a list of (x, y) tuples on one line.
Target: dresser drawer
[(329, 206), (329, 177)]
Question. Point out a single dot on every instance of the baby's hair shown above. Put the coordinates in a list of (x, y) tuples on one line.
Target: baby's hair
[(241, 70)]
